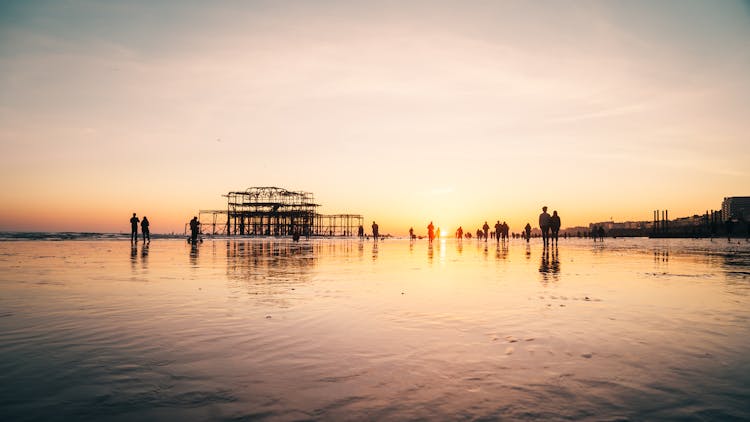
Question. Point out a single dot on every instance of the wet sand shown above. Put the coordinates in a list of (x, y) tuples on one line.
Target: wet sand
[(335, 329)]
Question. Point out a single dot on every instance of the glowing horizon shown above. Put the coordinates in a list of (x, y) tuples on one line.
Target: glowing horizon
[(456, 113)]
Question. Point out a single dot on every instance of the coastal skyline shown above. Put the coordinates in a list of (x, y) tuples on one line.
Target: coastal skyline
[(405, 113)]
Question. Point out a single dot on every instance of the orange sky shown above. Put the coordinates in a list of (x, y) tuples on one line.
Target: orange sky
[(452, 112)]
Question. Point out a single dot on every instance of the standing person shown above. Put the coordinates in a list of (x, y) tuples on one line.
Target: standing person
[(555, 226), (375, 230), (506, 229), (601, 233), (430, 232), (729, 225), (486, 229), (498, 231), (460, 233), (134, 228), (361, 232), (145, 230), (544, 222), (527, 229), (411, 233), (194, 229)]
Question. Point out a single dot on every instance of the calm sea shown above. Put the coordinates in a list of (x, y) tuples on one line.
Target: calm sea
[(331, 329)]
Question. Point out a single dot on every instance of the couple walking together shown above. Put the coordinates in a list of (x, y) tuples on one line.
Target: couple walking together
[(549, 223)]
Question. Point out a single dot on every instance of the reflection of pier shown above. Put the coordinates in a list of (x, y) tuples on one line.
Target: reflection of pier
[(272, 211)]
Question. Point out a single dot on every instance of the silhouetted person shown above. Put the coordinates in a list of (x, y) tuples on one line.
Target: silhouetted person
[(145, 230), (460, 232), (361, 232), (601, 233), (486, 229), (729, 224), (554, 226), (430, 232), (134, 228), (544, 223), (411, 233), (527, 229), (194, 229), (506, 229), (498, 231), (375, 230)]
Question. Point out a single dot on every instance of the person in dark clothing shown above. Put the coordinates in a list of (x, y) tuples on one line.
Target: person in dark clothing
[(486, 230), (527, 229), (375, 233), (145, 229), (498, 231), (554, 226), (729, 225), (194, 229), (134, 228), (601, 233), (544, 224)]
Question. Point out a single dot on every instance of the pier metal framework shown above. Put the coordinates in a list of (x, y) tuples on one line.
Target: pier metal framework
[(272, 211)]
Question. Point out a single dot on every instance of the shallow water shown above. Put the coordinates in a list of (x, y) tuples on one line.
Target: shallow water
[(341, 329)]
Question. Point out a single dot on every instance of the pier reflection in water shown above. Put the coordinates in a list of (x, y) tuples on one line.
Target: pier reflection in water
[(350, 329)]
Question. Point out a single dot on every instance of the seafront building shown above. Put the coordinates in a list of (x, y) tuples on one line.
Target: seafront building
[(736, 208)]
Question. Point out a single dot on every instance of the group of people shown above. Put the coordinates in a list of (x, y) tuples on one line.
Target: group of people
[(549, 225), (144, 229)]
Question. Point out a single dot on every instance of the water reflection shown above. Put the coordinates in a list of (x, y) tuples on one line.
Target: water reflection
[(144, 255), (375, 250), (271, 260), (194, 254), (664, 340), (501, 251), (549, 268)]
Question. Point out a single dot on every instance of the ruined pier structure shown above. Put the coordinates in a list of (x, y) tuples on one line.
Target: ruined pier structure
[(272, 211)]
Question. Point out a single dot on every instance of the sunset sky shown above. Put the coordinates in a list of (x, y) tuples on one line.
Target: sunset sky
[(403, 111)]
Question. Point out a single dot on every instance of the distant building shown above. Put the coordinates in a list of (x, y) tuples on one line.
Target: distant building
[(736, 207)]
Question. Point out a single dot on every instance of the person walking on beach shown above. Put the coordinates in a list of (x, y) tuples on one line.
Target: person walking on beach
[(430, 232), (527, 229), (544, 223), (194, 229), (460, 233), (411, 233), (134, 228), (486, 229), (555, 226), (361, 232), (601, 233), (145, 230), (375, 230), (506, 229), (498, 231)]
